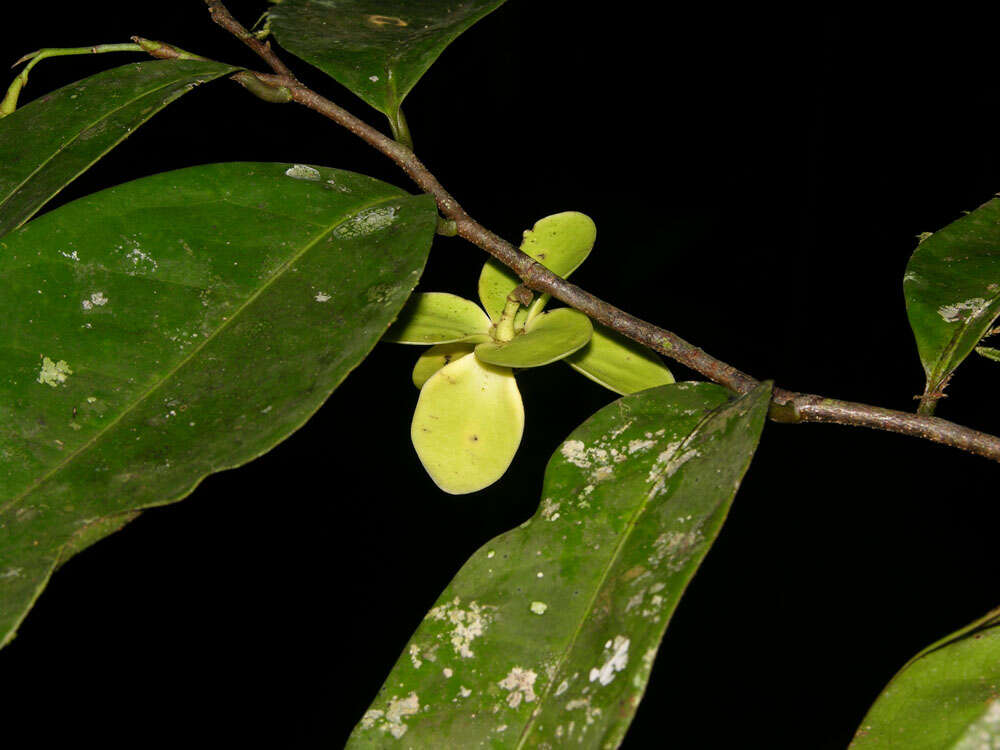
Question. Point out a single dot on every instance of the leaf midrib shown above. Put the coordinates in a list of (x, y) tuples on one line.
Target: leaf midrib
[(194, 352), (629, 528)]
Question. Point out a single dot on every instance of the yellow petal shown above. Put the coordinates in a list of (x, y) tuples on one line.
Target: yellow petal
[(468, 424)]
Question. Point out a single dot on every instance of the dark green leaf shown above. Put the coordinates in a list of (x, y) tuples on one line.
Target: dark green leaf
[(952, 288), (48, 143), (176, 326), (377, 50), (945, 697), (547, 635)]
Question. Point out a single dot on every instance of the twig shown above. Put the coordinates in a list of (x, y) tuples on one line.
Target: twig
[(787, 406), (222, 16)]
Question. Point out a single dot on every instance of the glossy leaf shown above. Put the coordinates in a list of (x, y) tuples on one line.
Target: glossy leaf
[(49, 142), (439, 318), (548, 338), (468, 424), (952, 288), (560, 242), (377, 50), (176, 326), (945, 697), (619, 364), (547, 635), (437, 357)]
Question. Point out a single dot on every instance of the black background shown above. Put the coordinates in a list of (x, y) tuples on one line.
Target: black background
[(758, 182)]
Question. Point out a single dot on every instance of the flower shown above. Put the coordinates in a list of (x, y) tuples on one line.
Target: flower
[(469, 418)]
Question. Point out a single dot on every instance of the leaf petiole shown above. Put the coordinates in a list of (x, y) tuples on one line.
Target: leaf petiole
[(9, 102)]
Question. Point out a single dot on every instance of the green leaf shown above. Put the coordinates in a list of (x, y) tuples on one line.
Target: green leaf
[(467, 425), (952, 289), (619, 363), (945, 697), (377, 50), (176, 326), (989, 352), (439, 318), (437, 357), (548, 338), (48, 143), (560, 242), (547, 635)]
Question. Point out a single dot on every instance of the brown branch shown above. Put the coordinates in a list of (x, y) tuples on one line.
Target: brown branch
[(221, 15), (787, 406)]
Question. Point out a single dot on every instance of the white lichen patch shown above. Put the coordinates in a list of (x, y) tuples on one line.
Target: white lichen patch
[(141, 261), (12, 573), (674, 548), (322, 297), (521, 684), (391, 720), (960, 311), (467, 624), (463, 691), (302, 172), (415, 656), (366, 222), (668, 462), (616, 661), (70, 256), (397, 711), (97, 299), (447, 672), (54, 373), (562, 688), (653, 609), (539, 607), (590, 714), (373, 79), (635, 446), (602, 473), (575, 452), (550, 509), (634, 601), (619, 430), (984, 733)]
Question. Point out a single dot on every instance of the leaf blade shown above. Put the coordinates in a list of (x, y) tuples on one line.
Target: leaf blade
[(511, 652), (182, 352), (945, 696), (952, 290), (49, 142), (379, 54)]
